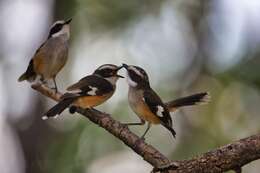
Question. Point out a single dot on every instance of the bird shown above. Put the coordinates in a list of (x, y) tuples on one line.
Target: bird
[(147, 104), (51, 56), (89, 91)]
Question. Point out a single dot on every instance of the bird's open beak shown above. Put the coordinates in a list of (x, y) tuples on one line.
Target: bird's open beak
[(117, 75), (68, 21), (125, 66)]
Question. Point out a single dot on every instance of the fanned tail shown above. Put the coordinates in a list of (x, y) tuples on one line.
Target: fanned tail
[(195, 99)]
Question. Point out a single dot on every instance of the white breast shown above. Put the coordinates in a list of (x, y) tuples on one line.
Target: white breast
[(134, 98), (130, 82)]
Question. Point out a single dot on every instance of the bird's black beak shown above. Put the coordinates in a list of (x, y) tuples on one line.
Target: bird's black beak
[(119, 68), (120, 76), (68, 21), (125, 66), (117, 75)]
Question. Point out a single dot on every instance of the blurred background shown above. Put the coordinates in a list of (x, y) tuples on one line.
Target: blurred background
[(186, 46)]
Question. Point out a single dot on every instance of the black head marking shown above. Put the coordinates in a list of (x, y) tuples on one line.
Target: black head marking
[(107, 70), (55, 28), (138, 75)]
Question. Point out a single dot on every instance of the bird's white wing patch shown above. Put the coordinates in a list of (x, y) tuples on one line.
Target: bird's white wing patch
[(44, 117), (56, 116), (76, 91), (93, 91), (160, 111)]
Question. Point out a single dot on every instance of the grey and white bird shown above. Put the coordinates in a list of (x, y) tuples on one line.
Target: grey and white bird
[(51, 56)]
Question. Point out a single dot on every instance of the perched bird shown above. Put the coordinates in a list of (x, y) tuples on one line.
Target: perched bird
[(51, 56), (89, 91), (145, 102), (148, 105)]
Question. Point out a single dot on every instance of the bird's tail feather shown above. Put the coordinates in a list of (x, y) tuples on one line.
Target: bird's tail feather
[(22, 77), (29, 74), (58, 108), (195, 99), (171, 130)]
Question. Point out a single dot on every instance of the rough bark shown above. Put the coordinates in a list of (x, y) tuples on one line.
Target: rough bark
[(229, 157)]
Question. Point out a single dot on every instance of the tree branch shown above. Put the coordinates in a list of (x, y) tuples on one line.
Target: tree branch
[(229, 157), (148, 152)]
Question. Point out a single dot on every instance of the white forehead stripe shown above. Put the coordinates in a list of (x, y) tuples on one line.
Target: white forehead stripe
[(58, 22), (160, 111), (136, 71), (93, 91)]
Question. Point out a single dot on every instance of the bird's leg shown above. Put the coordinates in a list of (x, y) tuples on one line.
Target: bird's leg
[(147, 129), (55, 84)]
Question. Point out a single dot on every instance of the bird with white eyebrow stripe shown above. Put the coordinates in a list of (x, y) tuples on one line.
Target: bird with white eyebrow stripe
[(51, 56), (89, 91), (148, 105), (145, 102)]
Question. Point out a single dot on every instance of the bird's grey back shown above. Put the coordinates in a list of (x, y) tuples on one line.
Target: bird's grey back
[(55, 52)]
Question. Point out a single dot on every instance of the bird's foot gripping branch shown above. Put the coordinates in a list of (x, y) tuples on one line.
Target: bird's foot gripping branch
[(229, 157)]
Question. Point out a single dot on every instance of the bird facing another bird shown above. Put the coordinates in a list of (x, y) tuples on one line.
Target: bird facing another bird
[(98, 87), (149, 107), (89, 91)]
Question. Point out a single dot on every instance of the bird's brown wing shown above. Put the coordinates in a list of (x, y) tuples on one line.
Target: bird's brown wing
[(91, 85), (30, 73), (78, 85), (156, 105)]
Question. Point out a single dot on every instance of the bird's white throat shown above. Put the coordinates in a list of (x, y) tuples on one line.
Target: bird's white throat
[(130, 81), (64, 31), (112, 79)]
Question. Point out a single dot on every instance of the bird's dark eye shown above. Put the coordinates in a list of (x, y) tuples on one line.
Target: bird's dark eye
[(56, 28)]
